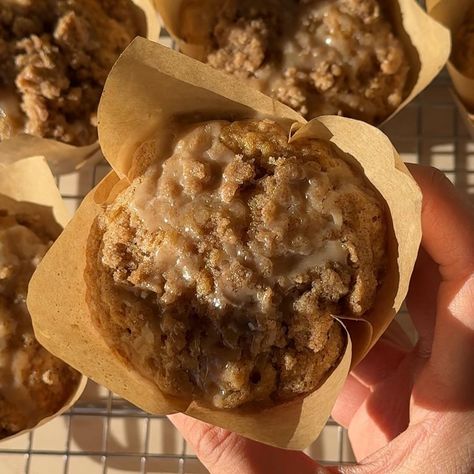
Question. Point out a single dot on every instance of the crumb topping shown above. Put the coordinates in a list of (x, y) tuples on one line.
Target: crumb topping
[(317, 56), (33, 383), (56, 55), (218, 272)]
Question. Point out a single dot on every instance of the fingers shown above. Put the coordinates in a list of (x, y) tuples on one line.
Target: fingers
[(421, 299), (381, 362), (448, 237), (447, 222), (446, 382), (375, 399), (396, 335), (223, 452), (352, 396), (384, 414)]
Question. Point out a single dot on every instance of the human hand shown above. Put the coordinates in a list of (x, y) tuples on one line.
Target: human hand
[(407, 409)]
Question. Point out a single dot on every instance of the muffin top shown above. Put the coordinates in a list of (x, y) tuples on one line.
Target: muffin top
[(317, 56), (33, 383), (219, 271), (55, 56)]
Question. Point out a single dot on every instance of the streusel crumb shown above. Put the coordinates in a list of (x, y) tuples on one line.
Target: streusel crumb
[(55, 56), (317, 56), (219, 271)]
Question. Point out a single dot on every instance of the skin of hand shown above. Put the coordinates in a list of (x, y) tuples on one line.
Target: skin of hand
[(407, 409)]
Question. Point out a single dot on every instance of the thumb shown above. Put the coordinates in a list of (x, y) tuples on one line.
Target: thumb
[(224, 452)]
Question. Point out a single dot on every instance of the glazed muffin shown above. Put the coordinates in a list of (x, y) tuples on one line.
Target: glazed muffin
[(463, 50), (218, 272), (56, 55), (33, 383), (317, 56)]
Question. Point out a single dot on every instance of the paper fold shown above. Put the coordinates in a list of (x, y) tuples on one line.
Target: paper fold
[(426, 41), (166, 86), (64, 158), (451, 14), (27, 186)]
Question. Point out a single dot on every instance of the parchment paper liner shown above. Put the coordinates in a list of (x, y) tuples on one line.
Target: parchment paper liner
[(28, 186), (451, 13), (64, 158), (427, 42), (166, 85)]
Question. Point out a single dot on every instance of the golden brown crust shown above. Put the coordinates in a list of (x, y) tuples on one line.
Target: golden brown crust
[(218, 274)]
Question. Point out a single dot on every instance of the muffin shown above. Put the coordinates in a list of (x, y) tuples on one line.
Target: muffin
[(318, 57), (463, 50), (218, 272), (55, 56), (33, 383)]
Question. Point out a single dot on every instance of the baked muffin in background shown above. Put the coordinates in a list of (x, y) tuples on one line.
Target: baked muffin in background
[(218, 271), (33, 383), (317, 56), (463, 48), (55, 56)]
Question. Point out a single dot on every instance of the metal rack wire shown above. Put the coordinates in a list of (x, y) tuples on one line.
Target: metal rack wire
[(106, 458), (428, 131)]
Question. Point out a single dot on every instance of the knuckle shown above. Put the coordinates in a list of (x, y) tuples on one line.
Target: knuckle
[(423, 350), (214, 444), (438, 178)]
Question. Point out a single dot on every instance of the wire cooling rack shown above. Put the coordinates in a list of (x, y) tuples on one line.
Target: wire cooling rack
[(104, 434)]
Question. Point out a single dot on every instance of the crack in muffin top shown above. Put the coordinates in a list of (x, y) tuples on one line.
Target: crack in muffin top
[(219, 270)]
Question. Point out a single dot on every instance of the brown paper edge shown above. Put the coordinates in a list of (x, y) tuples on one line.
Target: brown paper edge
[(430, 40), (30, 182), (64, 158), (176, 85), (72, 400), (212, 91), (451, 13)]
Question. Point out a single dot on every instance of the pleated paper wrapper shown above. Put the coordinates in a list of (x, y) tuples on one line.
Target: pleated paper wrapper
[(451, 13), (427, 42), (27, 186), (64, 158), (164, 86)]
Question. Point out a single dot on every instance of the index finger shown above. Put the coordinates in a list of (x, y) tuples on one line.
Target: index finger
[(224, 452), (447, 222), (448, 237)]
